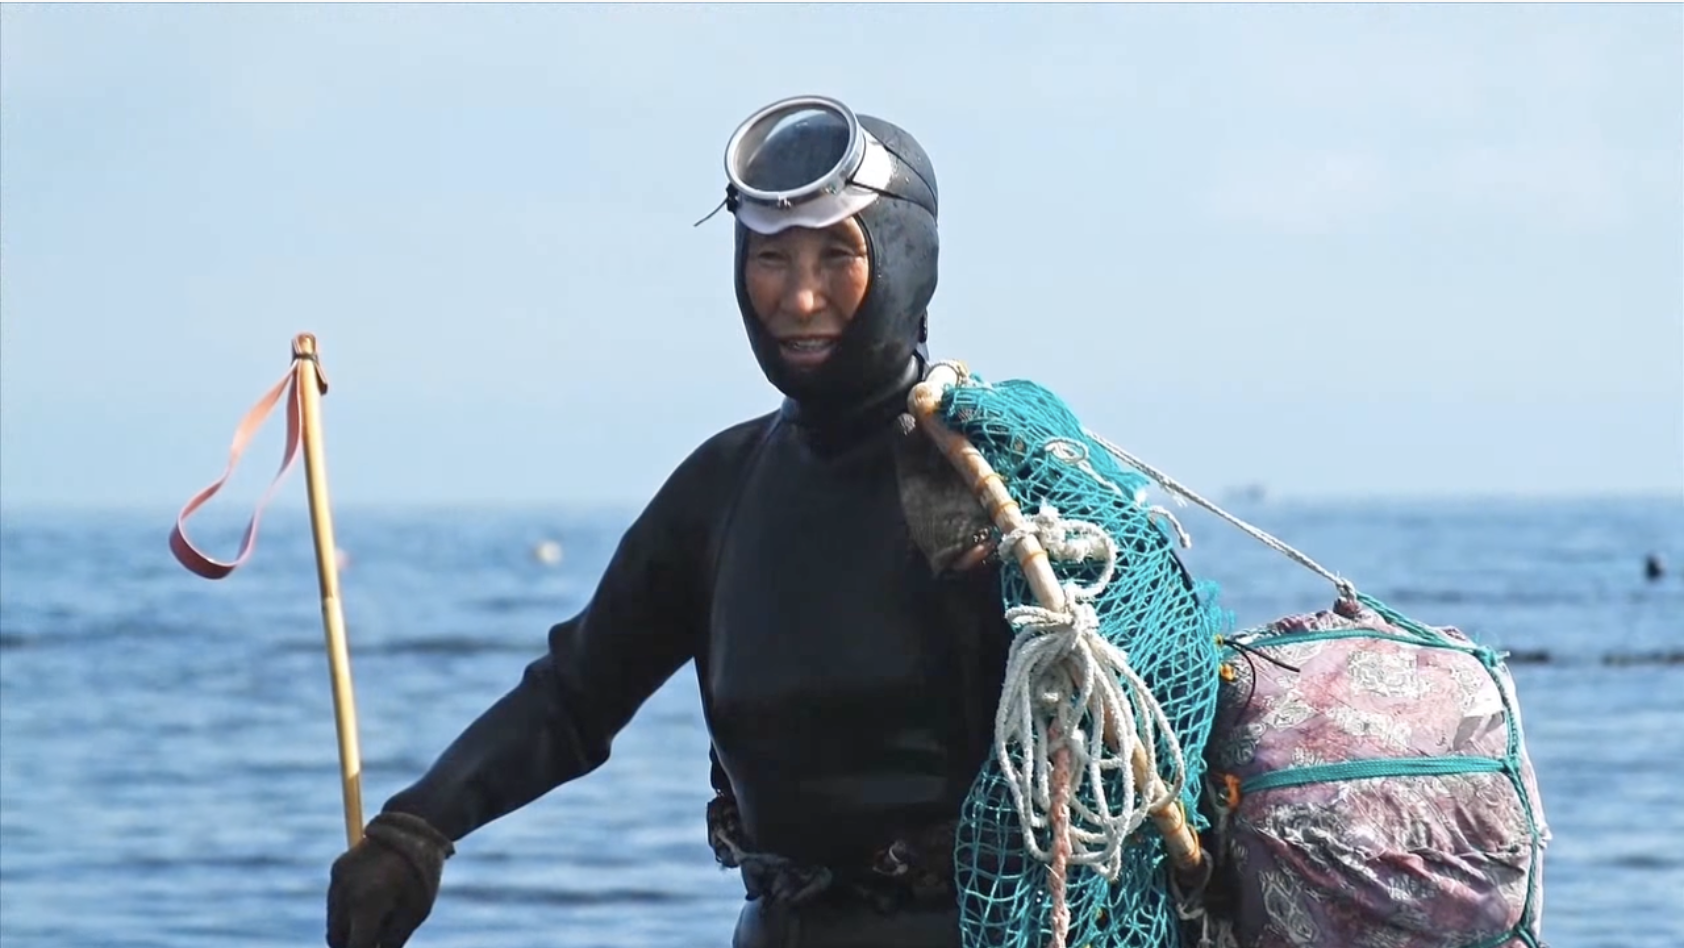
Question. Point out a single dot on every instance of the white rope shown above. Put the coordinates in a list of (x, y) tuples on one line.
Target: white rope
[(1075, 453), (1062, 672), (1345, 586)]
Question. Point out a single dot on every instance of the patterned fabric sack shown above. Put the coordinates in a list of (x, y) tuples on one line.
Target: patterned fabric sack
[(1371, 789)]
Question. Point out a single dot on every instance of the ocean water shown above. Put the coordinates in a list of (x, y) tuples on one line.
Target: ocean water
[(168, 768)]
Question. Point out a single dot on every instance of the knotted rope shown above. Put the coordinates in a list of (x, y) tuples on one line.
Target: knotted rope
[(1073, 710)]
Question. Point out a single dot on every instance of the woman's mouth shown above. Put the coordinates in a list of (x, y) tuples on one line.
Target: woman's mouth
[(806, 351)]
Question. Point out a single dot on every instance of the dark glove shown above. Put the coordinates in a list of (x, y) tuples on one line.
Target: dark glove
[(943, 516), (383, 888)]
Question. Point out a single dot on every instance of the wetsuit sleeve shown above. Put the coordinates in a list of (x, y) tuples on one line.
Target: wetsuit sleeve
[(640, 626)]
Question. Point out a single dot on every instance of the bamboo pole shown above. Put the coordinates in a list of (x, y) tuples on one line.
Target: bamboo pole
[(311, 386), (924, 401)]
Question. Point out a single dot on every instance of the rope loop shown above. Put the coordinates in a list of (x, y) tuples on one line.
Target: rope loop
[(1064, 683)]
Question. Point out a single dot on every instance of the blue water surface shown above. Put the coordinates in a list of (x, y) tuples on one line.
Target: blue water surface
[(169, 772)]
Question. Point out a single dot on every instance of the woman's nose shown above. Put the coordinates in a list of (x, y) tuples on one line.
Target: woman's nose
[(805, 296), (802, 302)]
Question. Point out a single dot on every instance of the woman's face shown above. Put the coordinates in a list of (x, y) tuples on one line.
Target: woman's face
[(805, 285)]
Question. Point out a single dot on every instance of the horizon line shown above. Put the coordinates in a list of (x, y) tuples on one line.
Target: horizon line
[(1237, 495)]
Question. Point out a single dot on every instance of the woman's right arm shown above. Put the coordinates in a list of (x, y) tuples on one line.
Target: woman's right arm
[(640, 626)]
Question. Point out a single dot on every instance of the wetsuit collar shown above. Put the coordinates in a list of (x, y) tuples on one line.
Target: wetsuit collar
[(833, 423)]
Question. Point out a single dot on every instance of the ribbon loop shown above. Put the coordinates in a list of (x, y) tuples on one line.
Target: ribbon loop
[(185, 552)]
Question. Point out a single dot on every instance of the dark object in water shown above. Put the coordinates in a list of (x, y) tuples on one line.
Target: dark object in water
[(1672, 657), (1543, 656), (1653, 567)]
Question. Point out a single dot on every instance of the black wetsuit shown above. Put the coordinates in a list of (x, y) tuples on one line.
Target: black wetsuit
[(848, 680), (848, 689)]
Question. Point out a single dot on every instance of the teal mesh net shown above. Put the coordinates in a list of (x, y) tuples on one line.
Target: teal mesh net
[(1166, 623)]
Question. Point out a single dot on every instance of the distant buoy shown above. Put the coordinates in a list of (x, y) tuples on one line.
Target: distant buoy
[(548, 552), (1653, 567)]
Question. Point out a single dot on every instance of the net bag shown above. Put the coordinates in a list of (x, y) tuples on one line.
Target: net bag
[(1367, 782), (1372, 788)]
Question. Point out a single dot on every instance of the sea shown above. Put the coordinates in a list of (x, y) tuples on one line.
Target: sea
[(169, 773)]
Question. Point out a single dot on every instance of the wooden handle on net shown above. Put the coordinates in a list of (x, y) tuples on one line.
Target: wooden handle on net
[(924, 402)]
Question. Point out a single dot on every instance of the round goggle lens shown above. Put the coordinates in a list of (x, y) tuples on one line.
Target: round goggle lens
[(793, 149)]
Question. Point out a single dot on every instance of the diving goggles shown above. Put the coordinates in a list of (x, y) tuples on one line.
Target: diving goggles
[(841, 168)]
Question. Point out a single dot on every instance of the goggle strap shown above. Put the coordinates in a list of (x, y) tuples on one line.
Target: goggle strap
[(730, 203)]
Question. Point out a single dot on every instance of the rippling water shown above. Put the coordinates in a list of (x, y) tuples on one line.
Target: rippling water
[(168, 771)]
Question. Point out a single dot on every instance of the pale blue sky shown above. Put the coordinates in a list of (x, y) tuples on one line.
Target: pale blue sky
[(1336, 250)]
